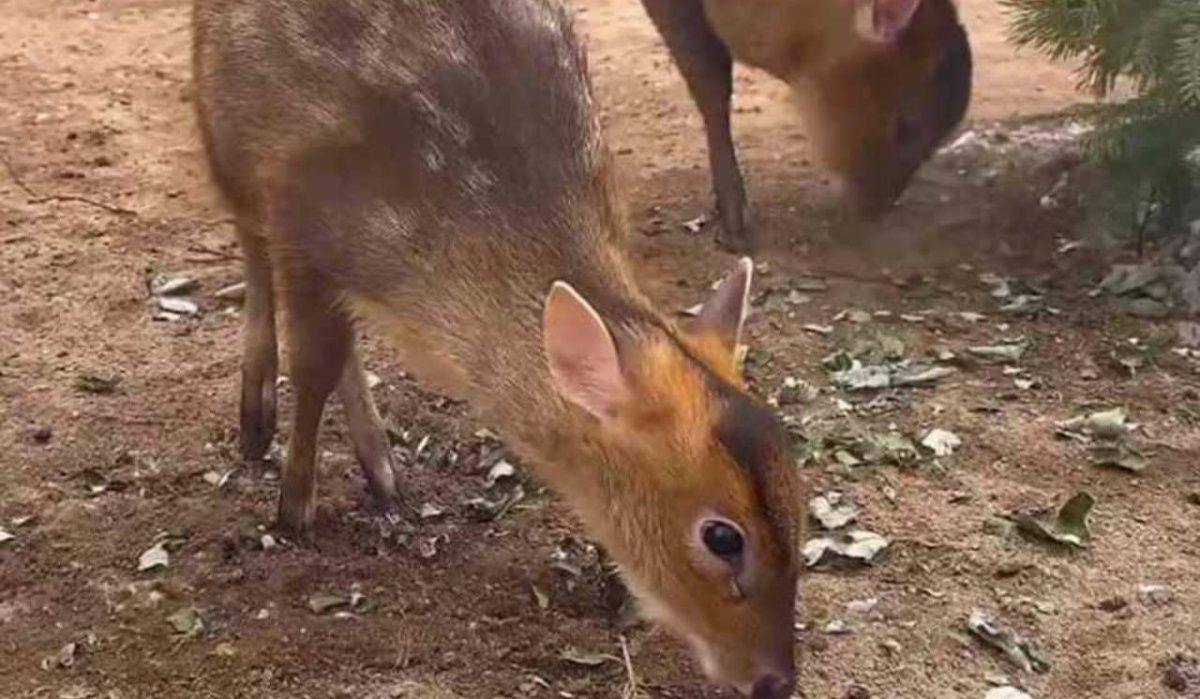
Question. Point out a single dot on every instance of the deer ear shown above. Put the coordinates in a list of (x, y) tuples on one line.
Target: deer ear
[(584, 363), (883, 21), (725, 312)]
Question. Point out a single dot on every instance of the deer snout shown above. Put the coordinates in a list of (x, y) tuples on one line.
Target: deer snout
[(868, 198), (774, 686)]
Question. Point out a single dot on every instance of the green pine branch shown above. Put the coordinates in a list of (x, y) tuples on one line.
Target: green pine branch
[(1152, 45)]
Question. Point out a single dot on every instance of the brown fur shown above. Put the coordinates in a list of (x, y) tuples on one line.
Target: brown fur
[(430, 168), (853, 103), (855, 92)]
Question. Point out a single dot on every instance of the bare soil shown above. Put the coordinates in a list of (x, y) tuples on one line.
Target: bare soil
[(105, 187)]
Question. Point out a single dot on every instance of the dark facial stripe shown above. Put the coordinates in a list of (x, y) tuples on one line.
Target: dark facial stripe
[(747, 430), (754, 438)]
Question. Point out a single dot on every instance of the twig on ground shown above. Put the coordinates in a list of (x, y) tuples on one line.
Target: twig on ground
[(215, 254), (135, 420), (12, 173), (632, 689), (827, 273), (35, 198)]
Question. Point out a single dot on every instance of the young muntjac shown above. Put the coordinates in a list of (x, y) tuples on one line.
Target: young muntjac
[(880, 82), (434, 170)]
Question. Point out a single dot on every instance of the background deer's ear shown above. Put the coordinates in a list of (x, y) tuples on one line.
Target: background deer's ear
[(584, 362), (724, 314), (883, 21)]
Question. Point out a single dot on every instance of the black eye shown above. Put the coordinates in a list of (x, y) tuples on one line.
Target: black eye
[(722, 539)]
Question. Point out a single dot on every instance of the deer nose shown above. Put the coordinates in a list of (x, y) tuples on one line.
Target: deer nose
[(774, 687)]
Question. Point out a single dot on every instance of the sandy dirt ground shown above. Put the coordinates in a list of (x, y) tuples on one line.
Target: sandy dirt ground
[(118, 432)]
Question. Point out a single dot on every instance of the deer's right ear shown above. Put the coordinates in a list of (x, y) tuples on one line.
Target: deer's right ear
[(883, 21), (584, 362), (724, 314)]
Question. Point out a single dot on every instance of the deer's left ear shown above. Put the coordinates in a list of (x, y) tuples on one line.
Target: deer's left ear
[(584, 362), (724, 314)]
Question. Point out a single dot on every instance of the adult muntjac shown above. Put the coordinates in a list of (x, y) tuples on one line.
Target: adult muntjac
[(881, 83), (434, 170)]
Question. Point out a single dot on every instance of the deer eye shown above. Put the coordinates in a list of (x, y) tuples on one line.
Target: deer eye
[(722, 539)]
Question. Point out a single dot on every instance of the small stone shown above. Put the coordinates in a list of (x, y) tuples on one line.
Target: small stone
[(268, 542), (178, 306), (428, 547), (941, 442), (165, 317), (695, 225), (810, 284), (67, 654), (97, 385), (1006, 693), (795, 298), (174, 286), (215, 479), (153, 558), (863, 607), (858, 692), (796, 391), (77, 691), (892, 646), (1154, 595), (431, 511), (186, 621), (837, 627), (321, 602)]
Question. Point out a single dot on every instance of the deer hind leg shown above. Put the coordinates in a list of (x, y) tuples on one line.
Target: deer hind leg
[(260, 352), (707, 68), (368, 434), (320, 342)]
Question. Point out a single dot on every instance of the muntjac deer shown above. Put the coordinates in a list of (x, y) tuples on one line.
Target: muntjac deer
[(881, 83), (434, 170)]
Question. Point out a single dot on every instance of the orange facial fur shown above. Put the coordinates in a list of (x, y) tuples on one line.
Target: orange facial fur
[(663, 466)]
